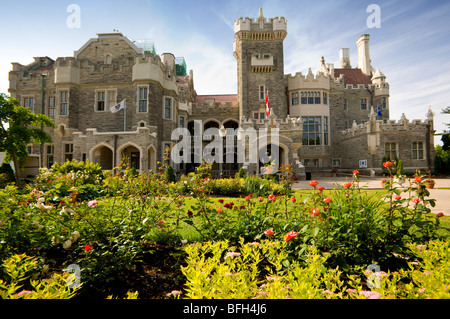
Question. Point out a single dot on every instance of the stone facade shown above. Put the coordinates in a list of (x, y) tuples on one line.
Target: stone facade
[(335, 118)]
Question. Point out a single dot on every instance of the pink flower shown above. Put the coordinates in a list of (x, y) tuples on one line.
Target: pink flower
[(327, 200), (160, 222), (269, 232), (290, 235), (347, 185), (92, 203), (370, 294), (313, 183)]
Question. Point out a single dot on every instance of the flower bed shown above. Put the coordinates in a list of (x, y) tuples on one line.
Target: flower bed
[(116, 228)]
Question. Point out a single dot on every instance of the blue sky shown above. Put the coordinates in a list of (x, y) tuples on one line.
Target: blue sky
[(411, 47)]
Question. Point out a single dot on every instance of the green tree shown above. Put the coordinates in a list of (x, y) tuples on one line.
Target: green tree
[(18, 127)]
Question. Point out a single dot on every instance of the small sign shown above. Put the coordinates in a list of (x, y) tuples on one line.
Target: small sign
[(363, 164)]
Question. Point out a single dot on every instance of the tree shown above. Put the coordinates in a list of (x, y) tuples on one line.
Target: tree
[(18, 127)]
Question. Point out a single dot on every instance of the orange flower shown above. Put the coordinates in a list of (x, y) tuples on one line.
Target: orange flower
[(355, 172), (347, 185), (247, 198), (269, 232), (220, 210), (87, 247), (418, 179), (290, 235), (387, 164), (313, 183)]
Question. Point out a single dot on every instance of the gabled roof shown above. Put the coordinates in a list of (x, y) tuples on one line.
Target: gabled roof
[(353, 76)]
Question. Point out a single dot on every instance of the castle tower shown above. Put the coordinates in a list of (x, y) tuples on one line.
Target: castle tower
[(258, 49)]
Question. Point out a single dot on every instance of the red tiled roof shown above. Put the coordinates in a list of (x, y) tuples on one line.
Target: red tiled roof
[(353, 76), (223, 98)]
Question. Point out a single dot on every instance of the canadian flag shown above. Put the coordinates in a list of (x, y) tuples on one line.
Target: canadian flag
[(267, 104)]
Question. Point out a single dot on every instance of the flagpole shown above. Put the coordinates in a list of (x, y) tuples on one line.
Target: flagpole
[(124, 115)]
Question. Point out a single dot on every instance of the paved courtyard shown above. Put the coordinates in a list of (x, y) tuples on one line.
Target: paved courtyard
[(440, 192)]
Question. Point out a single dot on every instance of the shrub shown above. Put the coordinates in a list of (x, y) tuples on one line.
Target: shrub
[(19, 269), (170, 174)]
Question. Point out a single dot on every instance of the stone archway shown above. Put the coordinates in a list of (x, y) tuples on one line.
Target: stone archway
[(104, 156), (275, 156), (132, 154)]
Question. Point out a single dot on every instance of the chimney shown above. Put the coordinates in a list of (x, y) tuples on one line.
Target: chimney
[(363, 54), (344, 58)]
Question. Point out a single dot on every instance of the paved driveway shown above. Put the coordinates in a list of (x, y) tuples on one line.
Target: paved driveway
[(440, 192)]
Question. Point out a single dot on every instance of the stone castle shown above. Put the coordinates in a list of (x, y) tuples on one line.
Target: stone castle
[(337, 118)]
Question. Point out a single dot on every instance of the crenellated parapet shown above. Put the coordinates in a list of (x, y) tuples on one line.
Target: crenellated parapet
[(261, 28), (309, 81)]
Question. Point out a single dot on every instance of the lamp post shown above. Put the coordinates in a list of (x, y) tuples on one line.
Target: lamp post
[(41, 146), (222, 133)]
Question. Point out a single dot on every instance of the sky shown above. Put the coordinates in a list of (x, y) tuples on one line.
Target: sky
[(409, 43)]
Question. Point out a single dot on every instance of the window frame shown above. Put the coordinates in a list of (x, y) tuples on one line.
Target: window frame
[(363, 102), (140, 98), (416, 150), (388, 153), (64, 101)]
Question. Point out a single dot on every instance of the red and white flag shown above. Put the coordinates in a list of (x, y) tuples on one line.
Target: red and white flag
[(267, 104)]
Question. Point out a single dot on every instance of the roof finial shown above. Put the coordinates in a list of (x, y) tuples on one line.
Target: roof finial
[(260, 13)]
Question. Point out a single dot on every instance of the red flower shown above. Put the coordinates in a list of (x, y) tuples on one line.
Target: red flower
[(272, 197), (87, 247), (397, 197), (313, 183), (220, 201), (315, 212), (327, 200), (247, 198), (190, 213), (260, 199), (416, 200), (387, 164), (219, 210), (347, 185), (269, 232), (355, 172), (293, 199), (440, 214), (290, 235), (320, 188), (418, 179)]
